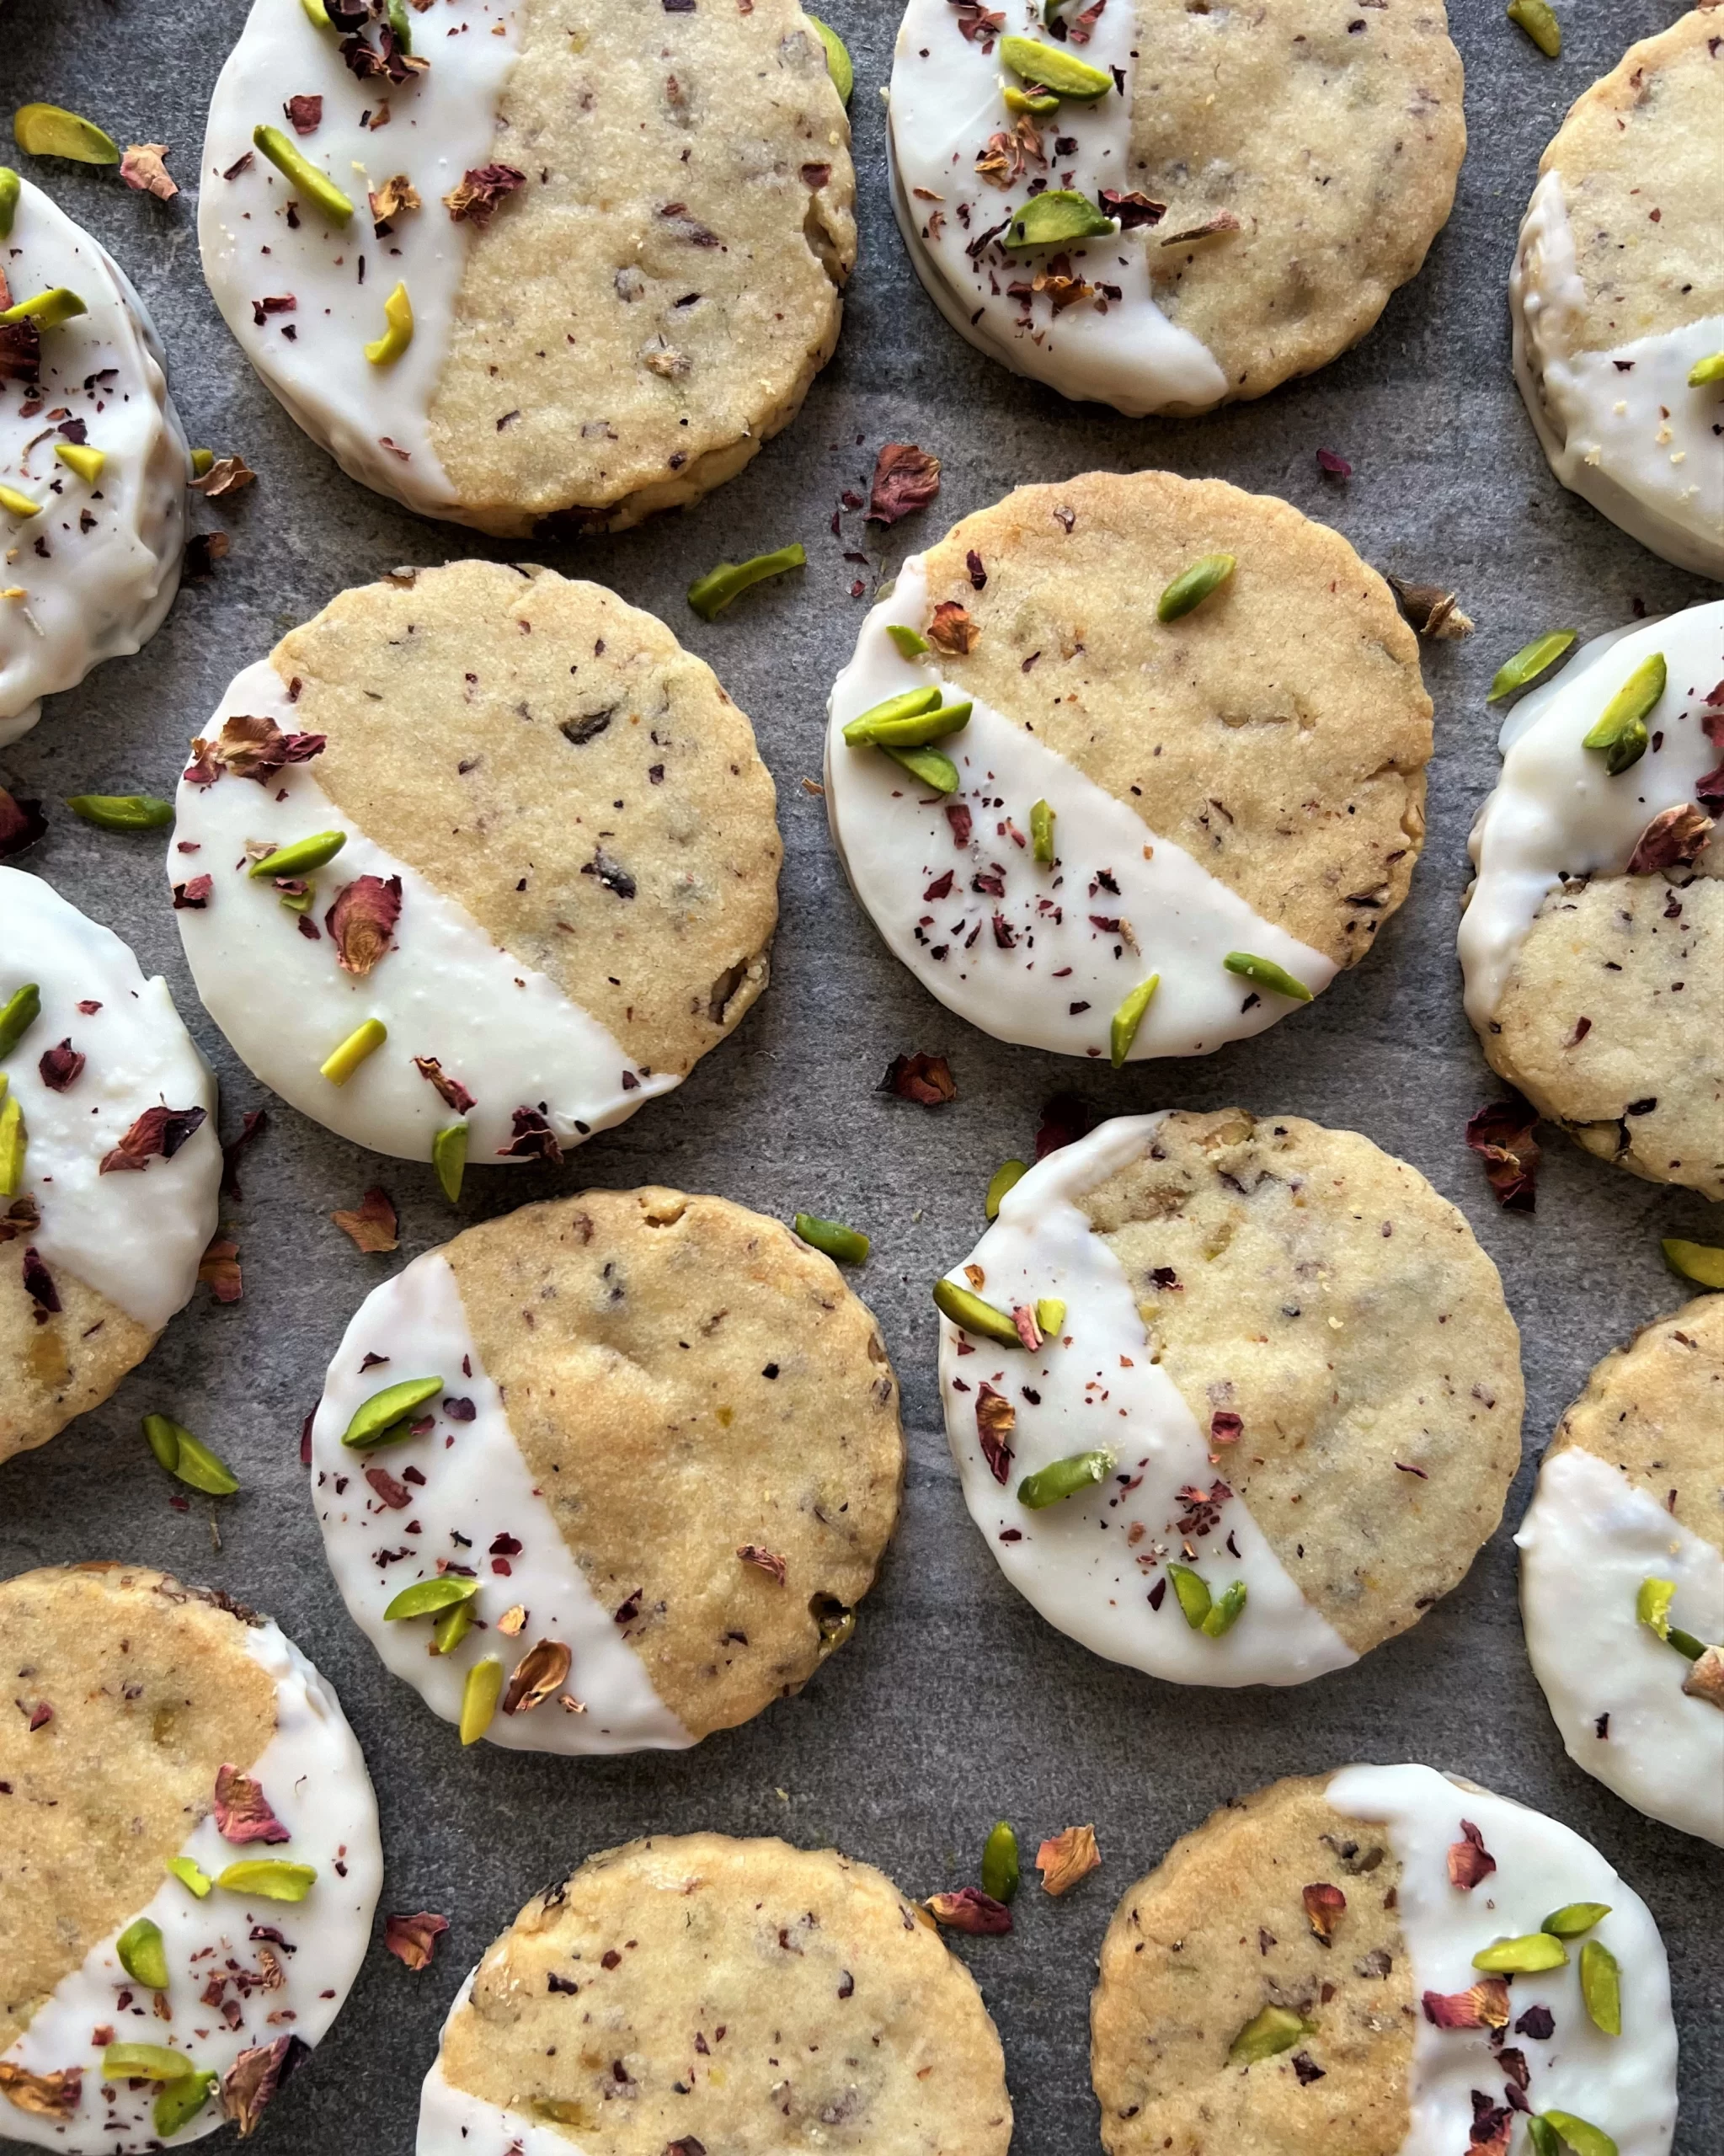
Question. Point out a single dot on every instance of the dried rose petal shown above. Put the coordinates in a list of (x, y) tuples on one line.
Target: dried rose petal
[(242, 1813), (1225, 1428), (1537, 2022), (1029, 1330), (22, 823), (44, 2095), (372, 1225), (394, 1497), (218, 1268), (256, 2076), (906, 479), (962, 824), (413, 1940), (20, 1218), (969, 1909), (1068, 1856), (362, 923), (1469, 1859), (951, 629), (393, 199), (1502, 1135), (195, 893), (979, 23), (1675, 837), (763, 1561), (1331, 463), (249, 748), (476, 195), (1323, 1908), (534, 1140), (156, 1132), (1133, 211), (60, 1067), (540, 1671), (143, 169), (305, 114), (1064, 1120), (925, 1079), (451, 1089), (227, 475), (1705, 1678), (1492, 2126), (1483, 2005), (995, 1420), (38, 1286)]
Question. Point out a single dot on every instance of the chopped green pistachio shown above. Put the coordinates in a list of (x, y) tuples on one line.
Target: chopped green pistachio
[(300, 172), (1621, 728), (318, 12), (300, 857), (1224, 1612), (1191, 586), (1544, 2136), (1129, 1017), (1042, 832), (427, 1598), (1055, 219), (382, 1419), (1064, 1478), (973, 1315), (122, 812), (273, 1877), (451, 1628), (1601, 1986), (17, 505), (13, 1144), (180, 2102), (18, 1014), (339, 1066), (144, 2062), (11, 187), (838, 61), (401, 23), (908, 703), (1574, 1918), (1038, 102), (192, 1876), (1266, 974), (1000, 1870), (1706, 370), (142, 1954), (185, 1457), (162, 1437), (1686, 1644), (49, 130), (711, 594), (1053, 69), (48, 309), (1192, 1589), (1050, 1317), (849, 1246), (910, 720), (397, 333), (927, 765), (910, 642), (1006, 1177), (1584, 2138), (448, 1158), (1276, 2029), (1522, 1957), (201, 460), (299, 901), (1701, 1262), (1538, 18), (1530, 661), (87, 462), (479, 1696), (1652, 1605)]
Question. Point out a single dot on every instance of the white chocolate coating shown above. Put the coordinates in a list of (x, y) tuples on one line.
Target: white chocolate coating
[(134, 1236), (372, 419), (1556, 811), (469, 1486), (454, 2123), (1098, 1388), (945, 103), (895, 838), (314, 1775), (1622, 429), (1625, 2086), (83, 594), (1588, 1540), (445, 990)]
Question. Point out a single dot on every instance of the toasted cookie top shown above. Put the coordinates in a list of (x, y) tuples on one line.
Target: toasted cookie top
[(746, 1996), (666, 1432)]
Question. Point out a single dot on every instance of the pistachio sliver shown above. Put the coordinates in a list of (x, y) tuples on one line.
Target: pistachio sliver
[(11, 187), (1620, 728), (1652, 1605), (448, 1158), (1601, 1986), (1191, 586), (711, 594), (908, 703), (1051, 68), (272, 1877), (1266, 974), (1224, 1612), (19, 504), (376, 1421), (1063, 1479), (999, 1866), (192, 1876), (1574, 1918), (49, 130), (19, 1013), (300, 857), (48, 309), (318, 14), (401, 23), (1123, 1031), (839, 66), (1543, 2137), (144, 2062), (479, 1696), (88, 462), (180, 2102), (142, 1954), (1006, 1177), (1529, 663), (1276, 2030), (1042, 832), (427, 1598), (1538, 18), (970, 1313), (1580, 2135), (910, 642), (1050, 1317), (14, 1144), (847, 1245), (1193, 1590), (187, 1458), (1034, 101), (1522, 1957), (300, 172), (927, 765), (451, 1628), (397, 329), (121, 812), (340, 1064), (1701, 1262), (1707, 371), (919, 729), (1055, 219), (201, 460)]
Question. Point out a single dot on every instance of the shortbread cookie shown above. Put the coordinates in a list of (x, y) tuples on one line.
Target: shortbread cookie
[(1617, 296), (1631, 1492), (109, 1166), (1129, 796), (1315, 1968), (93, 463), (592, 264), (188, 1860), (1593, 943), (651, 1463), (736, 1996), (1232, 1399), (558, 874), (1218, 199)]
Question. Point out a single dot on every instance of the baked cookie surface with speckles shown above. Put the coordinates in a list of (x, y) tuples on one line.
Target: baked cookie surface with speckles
[(607, 242), (544, 861), (668, 1435), (744, 1996)]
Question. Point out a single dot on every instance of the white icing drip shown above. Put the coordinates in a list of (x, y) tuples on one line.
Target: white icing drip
[(441, 125), (452, 2122), (475, 1485), (894, 838), (1099, 1388), (135, 1237), (1624, 2084), (945, 103), (506, 1031), (1588, 1540), (1558, 812), (101, 593), (314, 1778), (1622, 429)]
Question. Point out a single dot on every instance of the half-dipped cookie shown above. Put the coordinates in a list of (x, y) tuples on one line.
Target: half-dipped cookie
[(476, 862)]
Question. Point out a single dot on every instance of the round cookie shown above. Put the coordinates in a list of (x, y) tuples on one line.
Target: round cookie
[(188, 1860), (110, 1167), (1617, 294), (1592, 940), (1297, 1975), (657, 1446), (1280, 1374), (621, 230), (1630, 1491), (1229, 200), (93, 463), (742, 1996), (559, 879), (1247, 780)]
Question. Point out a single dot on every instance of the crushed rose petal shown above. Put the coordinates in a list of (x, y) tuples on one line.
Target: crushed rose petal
[(906, 479), (413, 1940), (1483, 2005), (763, 1561), (144, 169), (925, 1078), (362, 923), (373, 1224), (952, 630), (1066, 1858), (1323, 1908), (997, 1418), (1502, 1135), (242, 1812), (157, 1131), (1469, 1859), (968, 1908), (218, 1268), (450, 1089)]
